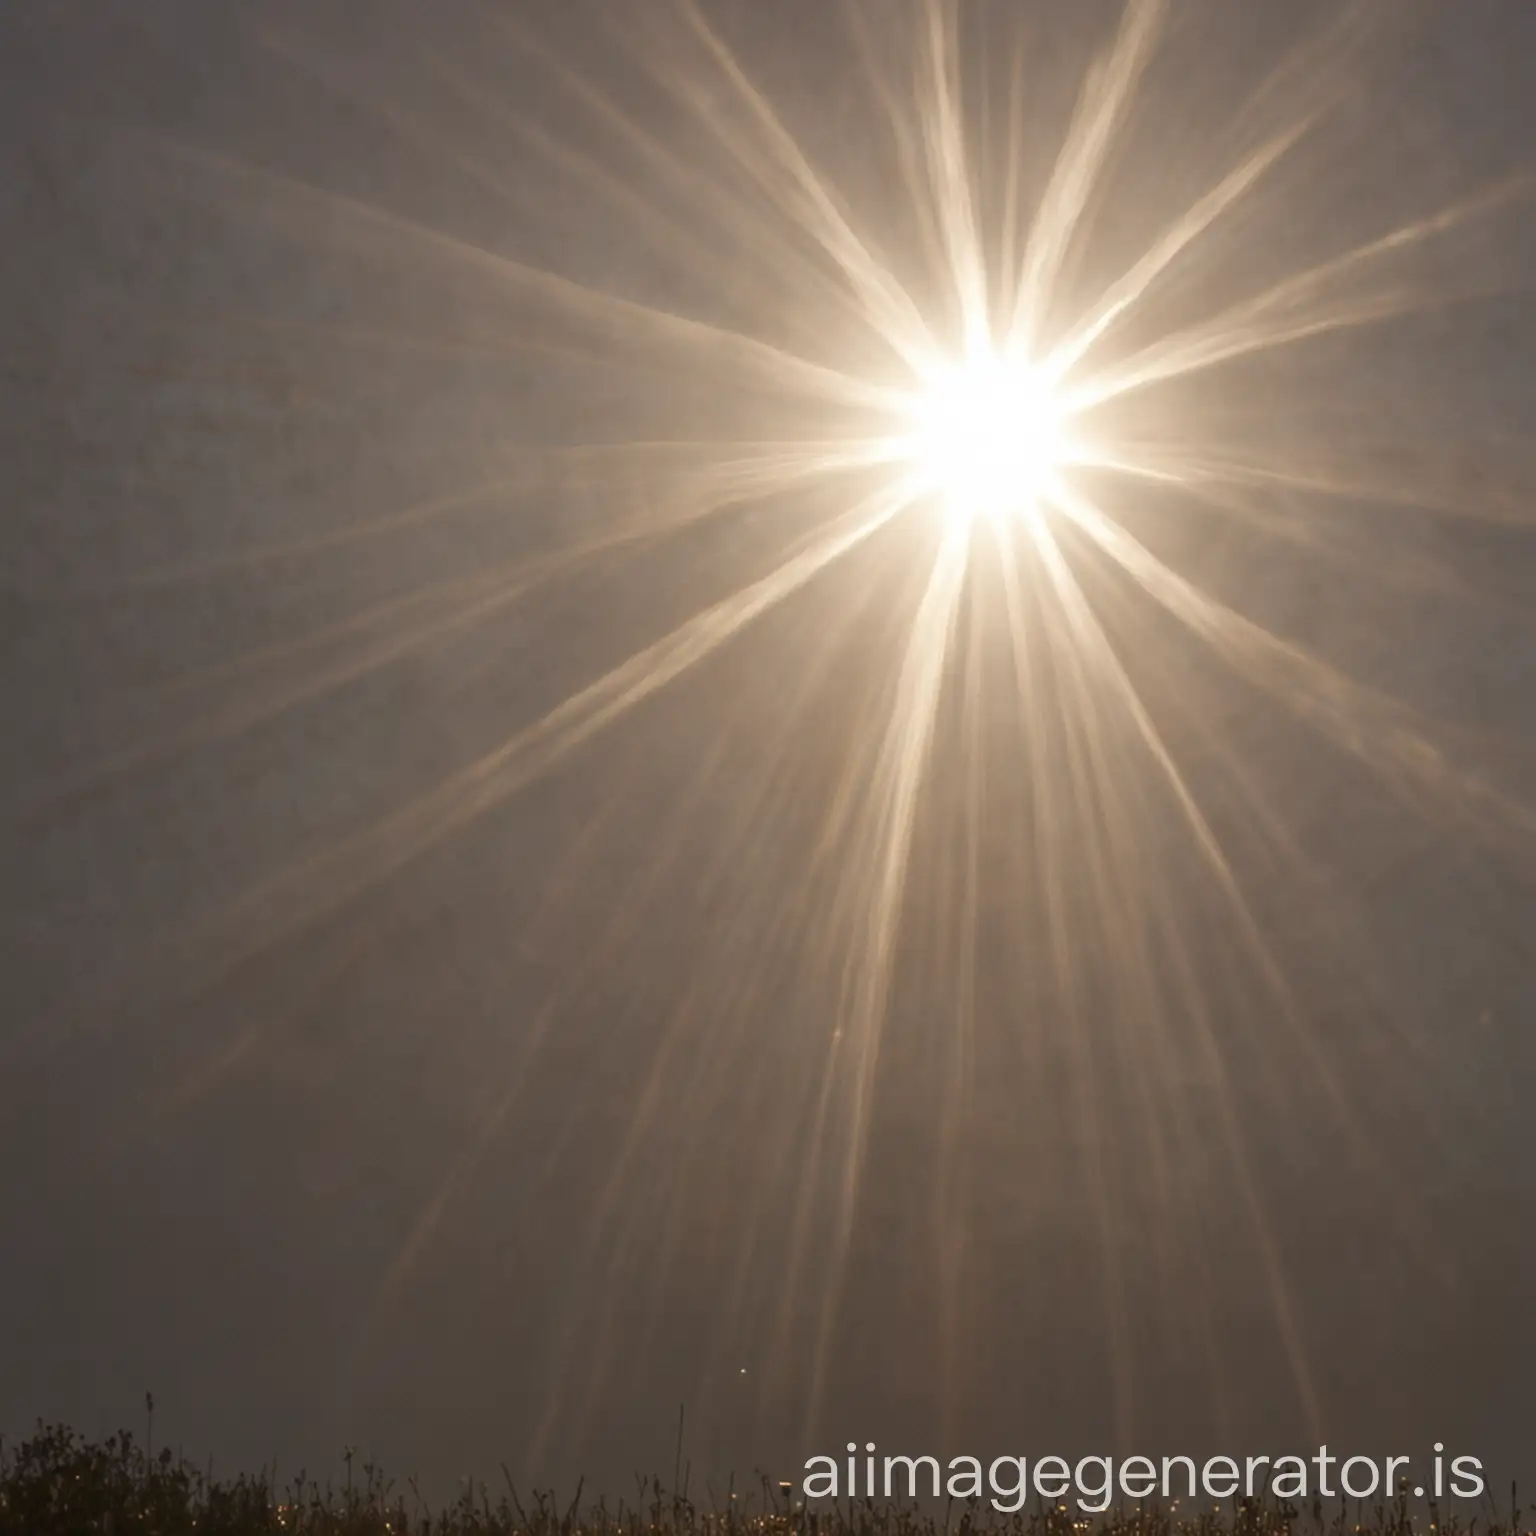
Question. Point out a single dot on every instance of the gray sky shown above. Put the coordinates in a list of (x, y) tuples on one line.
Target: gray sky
[(366, 1081)]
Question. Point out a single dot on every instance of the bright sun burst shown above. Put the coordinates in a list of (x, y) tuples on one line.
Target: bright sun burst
[(1089, 857), (989, 434)]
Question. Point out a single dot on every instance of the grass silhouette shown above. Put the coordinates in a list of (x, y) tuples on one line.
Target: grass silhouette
[(56, 1481)]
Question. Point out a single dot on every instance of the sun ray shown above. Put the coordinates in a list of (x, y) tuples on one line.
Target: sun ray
[(614, 319), (1168, 248), (905, 128), (1101, 109), (1087, 646), (890, 308), (949, 177), (1279, 316), (1383, 736), (324, 882), (701, 197), (873, 907)]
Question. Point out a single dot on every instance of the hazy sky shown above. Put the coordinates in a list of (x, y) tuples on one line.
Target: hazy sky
[(380, 1067)]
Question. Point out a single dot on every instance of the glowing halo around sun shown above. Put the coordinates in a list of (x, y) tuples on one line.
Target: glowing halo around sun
[(988, 434)]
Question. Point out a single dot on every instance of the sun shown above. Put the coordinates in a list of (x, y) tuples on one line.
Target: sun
[(989, 434)]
